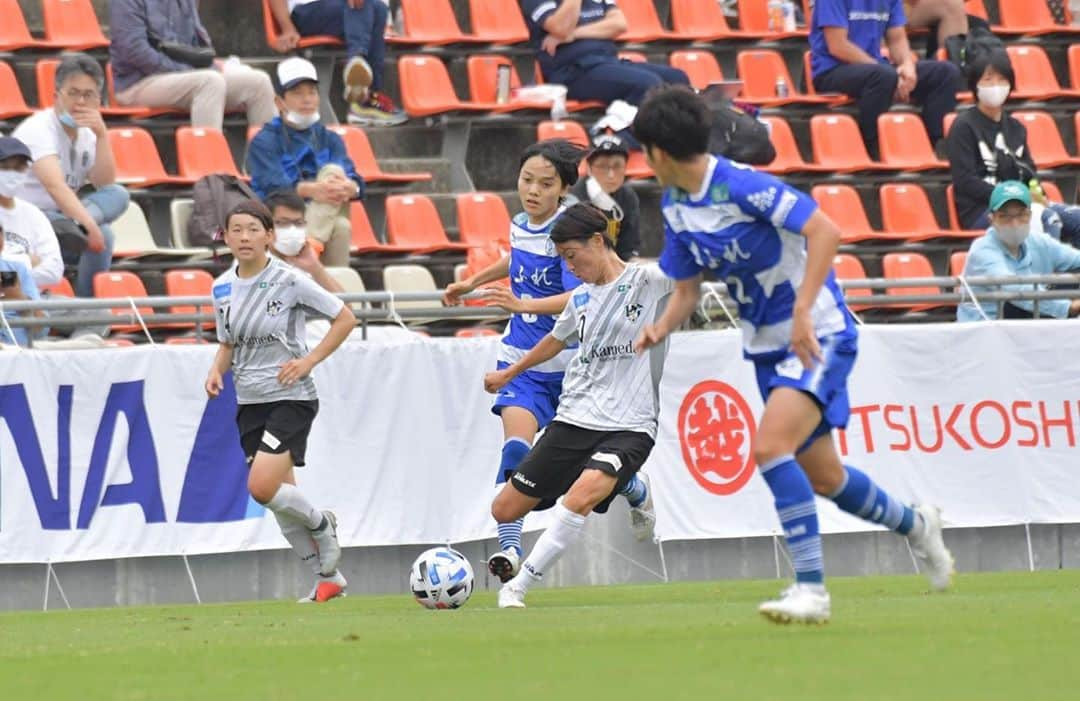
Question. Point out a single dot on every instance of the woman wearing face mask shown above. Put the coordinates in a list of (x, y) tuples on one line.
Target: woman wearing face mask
[(986, 146), (294, 151)]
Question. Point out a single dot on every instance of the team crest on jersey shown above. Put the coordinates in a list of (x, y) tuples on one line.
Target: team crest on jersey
[(633, 311), (764, 199), (719, 193), (625, 287), (274, 307)]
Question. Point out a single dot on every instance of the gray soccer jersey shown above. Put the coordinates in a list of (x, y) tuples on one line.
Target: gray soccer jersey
[(263, 318), (607, 386)]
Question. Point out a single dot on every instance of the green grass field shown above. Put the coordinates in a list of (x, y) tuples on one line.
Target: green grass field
[(1010, 636)]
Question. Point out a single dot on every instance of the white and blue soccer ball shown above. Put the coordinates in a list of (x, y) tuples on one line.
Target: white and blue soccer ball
[(441, 578)]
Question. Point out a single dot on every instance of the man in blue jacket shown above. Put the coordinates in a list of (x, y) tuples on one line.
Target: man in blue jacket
[(294, 151)]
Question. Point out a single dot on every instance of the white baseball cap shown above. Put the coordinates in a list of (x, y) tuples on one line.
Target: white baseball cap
[(293, 71)]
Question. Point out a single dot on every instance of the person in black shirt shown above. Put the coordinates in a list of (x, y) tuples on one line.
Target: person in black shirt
[(607, 189), (986, 146)]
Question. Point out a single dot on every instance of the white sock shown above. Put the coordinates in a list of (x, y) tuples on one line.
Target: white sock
[(291, 503), (299, 538), (549, 547)]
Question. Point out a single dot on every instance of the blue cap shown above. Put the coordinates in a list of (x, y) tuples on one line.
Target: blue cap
[(10, 146)]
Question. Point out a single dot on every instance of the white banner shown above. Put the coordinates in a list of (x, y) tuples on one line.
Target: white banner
[(116, 452)]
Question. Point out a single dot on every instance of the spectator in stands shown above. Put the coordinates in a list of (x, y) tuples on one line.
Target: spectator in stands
[(845, 45), (29, 238), (294, 151), (290, 238), (70, 150), (16, 285), (361, 24), (574, 41), (986, 146), (607, 189), (1011, 248), (162, 56)]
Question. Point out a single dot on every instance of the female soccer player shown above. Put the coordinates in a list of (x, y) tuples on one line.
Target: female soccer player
[(774, 250), (538, 285), (259, 306), (606, 420)]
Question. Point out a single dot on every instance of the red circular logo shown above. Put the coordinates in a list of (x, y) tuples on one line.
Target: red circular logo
[(716, 432)]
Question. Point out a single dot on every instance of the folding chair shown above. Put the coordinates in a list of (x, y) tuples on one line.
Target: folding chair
[(203, 151), (72, 24), (412, 220), (358, 147), (426, 89)]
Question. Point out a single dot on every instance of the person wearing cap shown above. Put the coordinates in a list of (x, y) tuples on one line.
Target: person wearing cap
[(149, 69), (1011, 248), (29, 239), (607, 189), (70, 149), (295, 151), (361, 24), (16, 285)]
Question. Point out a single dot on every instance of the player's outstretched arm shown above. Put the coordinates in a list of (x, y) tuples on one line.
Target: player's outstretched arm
[(680, 306), (545, 350), (822, 240), (544, 306), (340, 329), (495, 271)]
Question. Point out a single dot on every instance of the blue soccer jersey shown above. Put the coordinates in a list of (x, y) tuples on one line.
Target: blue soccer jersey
[(746, 227)]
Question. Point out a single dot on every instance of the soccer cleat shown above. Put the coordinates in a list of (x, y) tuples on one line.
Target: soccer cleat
[(799, 603), (357, 78), (928, 546), (643, 517), (327, 543), (504, 564), (377, 110), (511, 597), (326, 588)]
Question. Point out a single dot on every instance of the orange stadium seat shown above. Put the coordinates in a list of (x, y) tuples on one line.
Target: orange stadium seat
[(1074, 66), (808, 85), (643, 24), (358, 147), (754, 21), (1029, 17), (700, 66), (946, 125), (476, 332), (115, 109), (904, 143), (190, 283), (1035, 79), (498, 21), (12, 102), (977, 8), (122, 284), (138, 162), (14, 34), (60, 289), (72, 24), (564, 129), (272, 31), (433, 22), (483, 73), (426, 89), (363, 236), (838, 145), (957, 261), (759, 70), (788, 159), (954, 217), (633, 57), (900, 266), (906, 212), (1044, 140), (848, 267), (699, 21), (203, 151), (483, 219), (412, 220), (571, 105), (841, 203), (1052, 191)]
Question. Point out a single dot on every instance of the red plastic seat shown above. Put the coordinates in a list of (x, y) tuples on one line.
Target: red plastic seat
[(413, 221), (363, 236), (754, 21), (957, 262), (838, 145), (900, 266), (904, 143), (433, 22), (14, 34), (906, 212), (1052, 191), (12, 102), (643, 24), (759, 70), (1035, 79), (633, 57), (60, 289), (848, 267), (72, 24), (138, 163), (842, 204), (190, 283), (1044, 140), (483, 219), (483, 71), (476, 332), (498, 21), (788, 159), (122, 284), (1029, 17), (700, 66), (699, 21), (426, 88), (203, 151), (808, 83), (272, 32), (564, 129), (358, 147), (954, 217)]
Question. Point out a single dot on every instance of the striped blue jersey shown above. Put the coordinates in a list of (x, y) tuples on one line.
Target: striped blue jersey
[(746, 227), (536, 271)]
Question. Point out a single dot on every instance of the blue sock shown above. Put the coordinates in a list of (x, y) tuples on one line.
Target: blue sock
[(513, 452), (635, 492), (794, 500), (860, 497)]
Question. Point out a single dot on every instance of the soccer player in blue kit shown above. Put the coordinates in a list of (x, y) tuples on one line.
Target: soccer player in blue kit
[(773, 249), (539, 290)]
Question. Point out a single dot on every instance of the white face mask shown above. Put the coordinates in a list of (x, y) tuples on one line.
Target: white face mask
[(11, 181), (289, 240), (301, 121), (1013, 235), (993, 95)]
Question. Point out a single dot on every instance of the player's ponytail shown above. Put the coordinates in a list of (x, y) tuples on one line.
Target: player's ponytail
[(580, 222), (564, 156)]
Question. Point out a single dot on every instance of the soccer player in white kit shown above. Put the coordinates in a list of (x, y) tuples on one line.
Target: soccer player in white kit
[(260, 305), (605, 424)]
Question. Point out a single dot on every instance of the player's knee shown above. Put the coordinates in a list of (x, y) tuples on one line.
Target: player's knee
[(769, 448), (827, 484), (589, 490), (262, 488), (503, 509)]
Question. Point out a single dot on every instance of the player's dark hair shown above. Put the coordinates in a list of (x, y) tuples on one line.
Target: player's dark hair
[(285, 198), (561, 154), (580, 222), (252, 208), (674, 119), (998, 59)]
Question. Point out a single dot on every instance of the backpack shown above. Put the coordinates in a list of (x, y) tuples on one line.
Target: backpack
[(978, 42), (214, 196), (738, 135)]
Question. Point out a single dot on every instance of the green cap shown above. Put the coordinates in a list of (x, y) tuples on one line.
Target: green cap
[(1007, 192)]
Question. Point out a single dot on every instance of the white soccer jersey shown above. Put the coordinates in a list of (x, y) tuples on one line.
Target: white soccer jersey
[(609, 387), (263, 318)]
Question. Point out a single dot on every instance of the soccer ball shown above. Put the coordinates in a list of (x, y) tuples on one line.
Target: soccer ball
[(441, 578)]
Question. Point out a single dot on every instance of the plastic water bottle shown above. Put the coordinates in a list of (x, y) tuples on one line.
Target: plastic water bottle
[(502, 84), (776, 15), (789, 16), (781, 87)]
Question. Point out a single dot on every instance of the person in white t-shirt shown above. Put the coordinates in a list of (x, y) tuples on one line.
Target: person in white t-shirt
[(70, 150), (605, 426), (28, 237)]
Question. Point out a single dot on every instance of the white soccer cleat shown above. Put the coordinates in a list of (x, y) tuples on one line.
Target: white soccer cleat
[(504, 564), (511, 597), (799, 603), (327, 543), (643, 518), (928, 546), (326, 588)]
